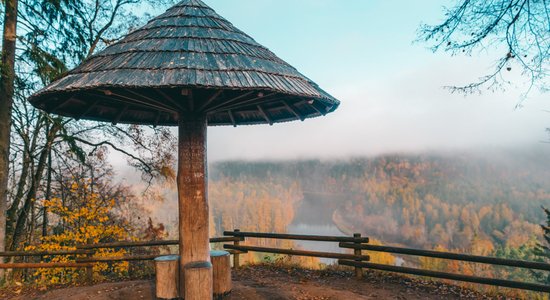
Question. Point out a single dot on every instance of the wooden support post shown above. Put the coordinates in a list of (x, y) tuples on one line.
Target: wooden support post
[(221, 273), (89, 269), (167, 276), (358, 270), (236, 255), (192, 181), (198, 280)]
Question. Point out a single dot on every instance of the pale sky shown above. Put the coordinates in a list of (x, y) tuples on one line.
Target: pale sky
[(391, 89)]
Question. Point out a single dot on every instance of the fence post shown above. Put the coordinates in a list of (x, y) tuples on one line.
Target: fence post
[(358, 270), (90, 269), (236, 255)]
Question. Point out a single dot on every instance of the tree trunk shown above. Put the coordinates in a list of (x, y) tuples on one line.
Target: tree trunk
[(31, 195), (29, 148), (192, 194), (48, 193), (7, 76)]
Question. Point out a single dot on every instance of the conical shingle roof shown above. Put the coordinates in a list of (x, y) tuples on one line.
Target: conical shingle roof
[(188, 60)]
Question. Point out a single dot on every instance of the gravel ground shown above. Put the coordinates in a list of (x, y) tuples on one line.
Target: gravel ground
[(273, 283)]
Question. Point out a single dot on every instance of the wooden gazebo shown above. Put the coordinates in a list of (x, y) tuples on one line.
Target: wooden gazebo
[(188, 67)]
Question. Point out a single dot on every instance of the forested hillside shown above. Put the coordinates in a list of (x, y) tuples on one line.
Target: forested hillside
[(469, 202)]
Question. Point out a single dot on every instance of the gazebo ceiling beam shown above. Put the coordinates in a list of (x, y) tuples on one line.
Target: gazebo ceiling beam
[(87, 110), (253, 101), (141, 98), (293, 110), (120, 114), (230, 101), (264, 114), (210, 100), (171, 100), (157, 119), (63, 102), (190, 99), (232, 118), (313, 105), (123, 101)]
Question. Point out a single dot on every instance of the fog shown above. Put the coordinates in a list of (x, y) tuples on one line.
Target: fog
[(409, 112), (391, 90)]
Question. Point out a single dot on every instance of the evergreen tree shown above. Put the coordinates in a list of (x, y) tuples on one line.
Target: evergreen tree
[(543, 249)]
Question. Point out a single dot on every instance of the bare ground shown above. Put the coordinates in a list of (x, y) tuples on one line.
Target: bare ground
[(265, 282)]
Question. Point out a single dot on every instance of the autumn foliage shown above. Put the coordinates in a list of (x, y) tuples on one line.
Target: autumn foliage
[(88, 223)]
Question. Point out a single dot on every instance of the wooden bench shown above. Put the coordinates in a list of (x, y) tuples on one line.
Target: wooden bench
[(221, 271), (167, 276)]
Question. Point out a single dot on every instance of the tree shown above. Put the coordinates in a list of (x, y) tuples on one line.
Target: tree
[(52, 37), (7, 77), (543, 249), (517, 30), (88, 219)]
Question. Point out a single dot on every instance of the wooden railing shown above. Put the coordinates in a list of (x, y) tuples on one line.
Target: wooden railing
[(359, 261), (357, 258)]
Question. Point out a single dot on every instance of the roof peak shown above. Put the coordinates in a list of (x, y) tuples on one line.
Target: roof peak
[(192, 3)]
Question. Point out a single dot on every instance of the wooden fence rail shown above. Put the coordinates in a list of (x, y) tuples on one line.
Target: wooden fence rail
[(84, 256), (297, 252), (301, 237), (452, 256), (481, 280), (44, 253)]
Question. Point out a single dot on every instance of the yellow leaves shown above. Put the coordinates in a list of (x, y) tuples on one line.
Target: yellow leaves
[(86, 224)]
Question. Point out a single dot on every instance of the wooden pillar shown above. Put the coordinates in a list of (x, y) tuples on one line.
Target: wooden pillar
[(221, 273), (90, 269), (236, 254), (167, 277), (198, 280), (358, 270), (192, 194)]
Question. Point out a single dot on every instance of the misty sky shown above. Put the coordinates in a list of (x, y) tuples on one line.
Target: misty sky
[(391, 89)]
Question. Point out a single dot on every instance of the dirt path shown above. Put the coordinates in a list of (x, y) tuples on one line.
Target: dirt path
[(271, 283)]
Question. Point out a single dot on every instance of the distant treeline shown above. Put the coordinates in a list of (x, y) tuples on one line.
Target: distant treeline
[(470, 202)]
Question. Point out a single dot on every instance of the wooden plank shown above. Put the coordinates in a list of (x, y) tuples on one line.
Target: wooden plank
[(264, 114), (170, 99), (293, 110), (44, 265), (125, 99), (452, 256), (297, 252), (232, 118), (118, 258), (249, 102), (143, 99), (357, 252), (232, 100), (119, 115), (87, 110), (210, 100), (317, 109), (157, 119), (443, 275), (190, 99), (284, 236), (44, 253), (127, 244)]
